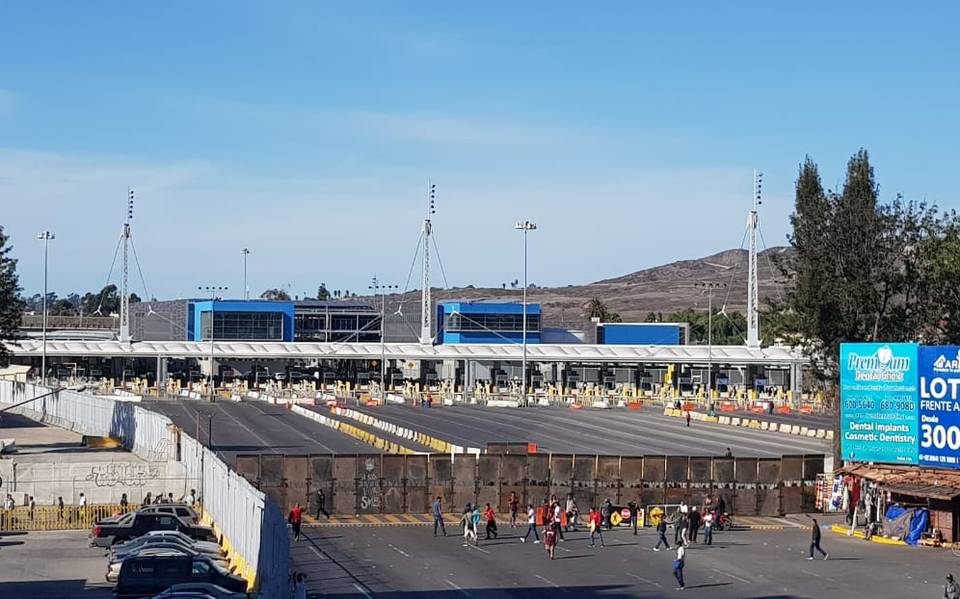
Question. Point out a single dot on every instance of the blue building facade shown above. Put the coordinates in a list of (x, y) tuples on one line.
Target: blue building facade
[(653, 333), (240, 320), (486, 322)]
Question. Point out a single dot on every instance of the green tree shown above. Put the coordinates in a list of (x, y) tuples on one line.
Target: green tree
[(275, 294), (322, 292), (11, 304), (595, 308)]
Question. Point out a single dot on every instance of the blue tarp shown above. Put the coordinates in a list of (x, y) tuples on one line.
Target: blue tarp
[(908, 524)]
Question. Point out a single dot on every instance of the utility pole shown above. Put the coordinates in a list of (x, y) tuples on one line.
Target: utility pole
[(710, 286), (524, 226), (426, 303), (45, 237), (246, 290), (377, 287), (212, 290), (124, 282), (753, 222)]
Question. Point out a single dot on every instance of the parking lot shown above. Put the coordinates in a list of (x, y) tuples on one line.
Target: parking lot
[(51, 565), (408, 561)]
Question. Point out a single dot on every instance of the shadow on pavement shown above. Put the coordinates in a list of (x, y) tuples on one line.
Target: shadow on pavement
[(54, 589)]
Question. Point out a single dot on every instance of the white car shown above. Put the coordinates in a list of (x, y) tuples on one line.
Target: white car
[(113, 567)]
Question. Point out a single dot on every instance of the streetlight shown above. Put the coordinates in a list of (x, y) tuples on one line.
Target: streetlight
[(710, 286), (212, 290), (45, 237), (246, 290), (377, 287), (525, 226)]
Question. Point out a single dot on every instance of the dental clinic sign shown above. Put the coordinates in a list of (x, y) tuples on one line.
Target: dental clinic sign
[(940, 406), (878, 397)]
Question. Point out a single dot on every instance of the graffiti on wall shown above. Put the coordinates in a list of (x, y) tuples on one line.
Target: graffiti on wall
[(123, 475), (369, 486)]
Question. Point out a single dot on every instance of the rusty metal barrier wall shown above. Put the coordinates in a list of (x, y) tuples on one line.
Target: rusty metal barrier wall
[(397, 484)]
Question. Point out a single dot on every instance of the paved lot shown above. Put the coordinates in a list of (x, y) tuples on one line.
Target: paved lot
[(51, 565), (256, 427), (407, 561), (617, 432)]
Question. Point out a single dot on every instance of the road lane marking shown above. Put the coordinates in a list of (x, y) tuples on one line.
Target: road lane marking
[(320, 555), (455, 587), (398, 550), (642, 579), (733, 576), (551, 583), (363, 591)]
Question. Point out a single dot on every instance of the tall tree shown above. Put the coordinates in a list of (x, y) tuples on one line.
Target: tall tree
[(11, 304), (595, 308), (275, 294), (322, 292)]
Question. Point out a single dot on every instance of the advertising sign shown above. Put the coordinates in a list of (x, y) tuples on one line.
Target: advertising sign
[(878, 395), (940, 406)]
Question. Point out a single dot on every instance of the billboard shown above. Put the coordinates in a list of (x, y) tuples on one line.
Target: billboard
[(939, 406), (878, 394)]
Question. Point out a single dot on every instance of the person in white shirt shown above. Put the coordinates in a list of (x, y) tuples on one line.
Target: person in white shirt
[(531, 526), (678, 565), (558, 519)]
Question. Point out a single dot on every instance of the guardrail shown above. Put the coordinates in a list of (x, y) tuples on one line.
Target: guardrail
[(52, 517)]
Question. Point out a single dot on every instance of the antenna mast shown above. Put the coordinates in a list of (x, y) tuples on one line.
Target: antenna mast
[(753, 222), (124, 283), (426, 303)]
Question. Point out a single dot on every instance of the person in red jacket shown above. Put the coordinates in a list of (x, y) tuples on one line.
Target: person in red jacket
[(595, 522), (295, 517), (491, 517)]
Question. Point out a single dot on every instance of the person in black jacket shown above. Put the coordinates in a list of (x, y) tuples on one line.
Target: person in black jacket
[(662, 534), (695, 520), (815, 541)]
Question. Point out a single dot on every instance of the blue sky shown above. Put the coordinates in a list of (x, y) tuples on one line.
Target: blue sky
[(308, 131)]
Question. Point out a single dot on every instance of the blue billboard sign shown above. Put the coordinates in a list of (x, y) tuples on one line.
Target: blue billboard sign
[(878, 395), (939, 405)]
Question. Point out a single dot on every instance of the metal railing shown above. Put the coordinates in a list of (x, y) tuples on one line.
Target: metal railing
[(52, 517)]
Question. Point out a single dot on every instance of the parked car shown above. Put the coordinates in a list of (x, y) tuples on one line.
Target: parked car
[(161, 537), (141, 576), (106, 535), (170, 548), (181, 510), (199, 590)]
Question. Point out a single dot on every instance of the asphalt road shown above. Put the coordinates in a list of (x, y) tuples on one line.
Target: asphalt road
[(615, 432), (399, 562), (52, 565), (256, 427), (322, 409)]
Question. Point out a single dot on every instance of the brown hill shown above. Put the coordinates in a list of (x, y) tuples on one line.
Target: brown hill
[(667, 288)]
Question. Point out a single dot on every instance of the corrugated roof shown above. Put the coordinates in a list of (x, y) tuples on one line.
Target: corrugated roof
[(932, 483), (637, 354)]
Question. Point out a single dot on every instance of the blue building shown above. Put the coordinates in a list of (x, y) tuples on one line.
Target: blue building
[(486, 322), (240, 320), (643, 333)]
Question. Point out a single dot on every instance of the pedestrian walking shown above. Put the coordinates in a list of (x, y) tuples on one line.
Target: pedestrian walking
[(295, 518), (437, 517), (728, 453), (147, 498), (951, 590), (634, 515), (513, 502), (190, 498), (708, 528), (60, 508), (688, 417), (83, 505), (466, 519), (606, 510), (678, 565), (558, 520), (31, 504), (815, 540), (475, 521), (662, 534), (300, 586), (550, 540), (531, 525), (680, 529), (694, 518), (322, 506), (596, 527), (491, 518), (124, 502)]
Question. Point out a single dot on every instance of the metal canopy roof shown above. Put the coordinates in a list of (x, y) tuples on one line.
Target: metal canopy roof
[(538, 352)]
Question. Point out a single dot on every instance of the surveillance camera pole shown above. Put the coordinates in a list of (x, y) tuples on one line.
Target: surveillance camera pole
[(45, 237), (524, 226), (212, 290)]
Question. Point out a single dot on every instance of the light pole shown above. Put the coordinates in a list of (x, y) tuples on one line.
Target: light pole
[(246, 290), (709, 287), (45, 237), (377, 287), (212, 290), (524, 226)]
